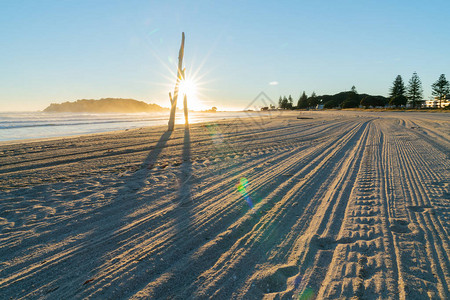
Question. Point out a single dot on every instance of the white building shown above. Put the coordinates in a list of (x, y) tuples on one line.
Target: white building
[(434, 103)]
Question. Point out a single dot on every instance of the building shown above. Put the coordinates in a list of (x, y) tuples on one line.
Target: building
[(434, 103)]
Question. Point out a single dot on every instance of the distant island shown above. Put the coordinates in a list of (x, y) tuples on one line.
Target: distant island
[(105, 105)]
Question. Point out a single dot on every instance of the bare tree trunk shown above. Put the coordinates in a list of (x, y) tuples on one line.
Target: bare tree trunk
[(180, 76), (186, 121)]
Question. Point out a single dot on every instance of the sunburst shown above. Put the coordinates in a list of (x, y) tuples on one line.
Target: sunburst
[(192, 85), (190, 88)]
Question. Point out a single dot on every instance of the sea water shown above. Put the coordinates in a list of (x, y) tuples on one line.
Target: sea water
[(34, 125)]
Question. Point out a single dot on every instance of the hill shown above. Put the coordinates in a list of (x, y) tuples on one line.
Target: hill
[(105, 105), (349, 99)]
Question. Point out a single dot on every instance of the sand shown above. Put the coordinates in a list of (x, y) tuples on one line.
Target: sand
[(337, 205)]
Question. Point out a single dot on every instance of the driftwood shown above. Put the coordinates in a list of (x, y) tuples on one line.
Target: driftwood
[(185, 111), (180, 76)]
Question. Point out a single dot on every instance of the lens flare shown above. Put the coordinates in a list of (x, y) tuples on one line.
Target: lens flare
[(223, 148), (307, 294), (242, 188)]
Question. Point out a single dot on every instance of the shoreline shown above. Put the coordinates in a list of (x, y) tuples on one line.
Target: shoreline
[(204, 115), (38, 140), (279, 112), (113, 132)]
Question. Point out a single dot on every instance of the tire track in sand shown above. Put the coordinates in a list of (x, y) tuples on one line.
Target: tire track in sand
[(241, 251), (423, 248)]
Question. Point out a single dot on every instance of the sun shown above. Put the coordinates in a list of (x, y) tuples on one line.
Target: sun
[(192, 85), (189, 88)]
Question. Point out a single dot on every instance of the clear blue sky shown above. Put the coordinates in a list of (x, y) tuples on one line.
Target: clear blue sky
[(56, 51)]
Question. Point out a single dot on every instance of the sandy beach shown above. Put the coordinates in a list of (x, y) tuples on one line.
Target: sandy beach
[(335, 205)]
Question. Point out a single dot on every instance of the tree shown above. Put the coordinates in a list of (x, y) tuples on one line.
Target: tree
[(302, 101), (397, 90), (414, 91), (283, 102), (290, 103), (372, 101), (398, 87), (398, 100), (331, 104), (441, 88), (313, 100), (366, 102), (351, 101)]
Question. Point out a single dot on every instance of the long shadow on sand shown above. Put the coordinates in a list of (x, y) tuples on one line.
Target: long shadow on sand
[(130, 232), (126, 228), (109, 231), (153, 155), (185, 178), (105, 231)]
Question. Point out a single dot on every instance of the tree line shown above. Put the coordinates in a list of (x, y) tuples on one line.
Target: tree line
[(399, 95)]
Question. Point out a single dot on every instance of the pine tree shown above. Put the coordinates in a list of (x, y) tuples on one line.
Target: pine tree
[(398, 87), (280, 102), (290, 102), (398, 92), (354, 90), (441, 88), (302, 101), (414, 91), (284, 104)]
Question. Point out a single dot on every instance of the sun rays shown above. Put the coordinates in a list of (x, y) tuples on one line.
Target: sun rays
[(193, 85), (189, 88)]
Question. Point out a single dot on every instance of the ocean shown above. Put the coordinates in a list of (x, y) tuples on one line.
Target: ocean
[(34, 125)]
